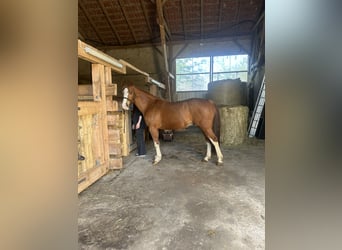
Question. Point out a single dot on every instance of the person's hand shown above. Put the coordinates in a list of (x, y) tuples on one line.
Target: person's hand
[(137, 126)]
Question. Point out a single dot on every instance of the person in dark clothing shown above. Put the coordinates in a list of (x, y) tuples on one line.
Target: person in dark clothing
[(139, 127)]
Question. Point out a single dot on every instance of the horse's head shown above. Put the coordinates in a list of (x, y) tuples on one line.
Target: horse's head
[(128, 94)]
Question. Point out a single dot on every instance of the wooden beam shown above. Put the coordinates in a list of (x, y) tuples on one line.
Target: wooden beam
[(240, 46), (183, 17), (92, 24), (103, 8), (166, 27), (87, 89), (98, 79), (163, 43), (162, 32), (148, 78), (80, 36), (237, 17), (179, 52), (245, 36), (127, 21), (151, 80), (259, 20), (220, 14), (158, 50), (133, 67), (201, 27), (82, 47)]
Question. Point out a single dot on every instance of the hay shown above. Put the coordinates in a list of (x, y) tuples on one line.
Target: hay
[(233, 124), (229, 92)]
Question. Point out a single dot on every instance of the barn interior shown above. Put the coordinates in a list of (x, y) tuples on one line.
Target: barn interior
[(175, 50)]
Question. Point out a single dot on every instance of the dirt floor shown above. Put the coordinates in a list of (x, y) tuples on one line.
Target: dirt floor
[(182, 203)]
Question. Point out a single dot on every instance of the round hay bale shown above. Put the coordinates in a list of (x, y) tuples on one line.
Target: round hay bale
[(233, 124), (229, 92)]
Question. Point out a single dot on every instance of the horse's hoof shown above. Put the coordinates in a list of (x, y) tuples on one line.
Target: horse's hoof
[(219, 163), (204, 160), (155, 162)]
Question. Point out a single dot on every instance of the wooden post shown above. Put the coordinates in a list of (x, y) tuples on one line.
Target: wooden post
[(98, 79), (161, 22)]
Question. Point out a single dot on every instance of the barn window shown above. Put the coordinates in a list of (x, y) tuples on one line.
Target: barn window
[(194, 74), (230, 67)]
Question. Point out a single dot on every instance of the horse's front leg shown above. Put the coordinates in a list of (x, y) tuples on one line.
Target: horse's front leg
[(155, 136)]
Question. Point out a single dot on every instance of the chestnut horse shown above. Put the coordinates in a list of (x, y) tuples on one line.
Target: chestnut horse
[(160, 114)]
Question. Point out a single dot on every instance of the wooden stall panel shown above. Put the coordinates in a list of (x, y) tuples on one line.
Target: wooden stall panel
[(90, 146)]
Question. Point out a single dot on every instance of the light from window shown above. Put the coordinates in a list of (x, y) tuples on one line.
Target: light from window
[(194, 74)]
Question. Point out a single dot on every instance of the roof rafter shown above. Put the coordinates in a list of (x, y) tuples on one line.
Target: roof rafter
[(109, 21), (146, 17), (201, 27), (90, 21), (127, 21), (220, 14), (237, 17), (183, 17)]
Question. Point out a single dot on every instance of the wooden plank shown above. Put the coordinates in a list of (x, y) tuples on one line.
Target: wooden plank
[(99, 71), (97, 141), (87, 90), (163, 43), (133, 67), (114, 120), (115, 149), (92, 175), (115, 163), (126, 133), (87, 107), (85, 137), (97, 79), (114, 135), (112, 105), (94, 59)]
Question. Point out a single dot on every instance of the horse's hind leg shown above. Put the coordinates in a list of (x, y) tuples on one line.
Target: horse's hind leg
[(218, 152), (208, 155), (211, 136), (155, 134)]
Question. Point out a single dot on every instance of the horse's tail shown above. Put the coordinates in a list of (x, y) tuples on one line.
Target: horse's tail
[(216, 124)]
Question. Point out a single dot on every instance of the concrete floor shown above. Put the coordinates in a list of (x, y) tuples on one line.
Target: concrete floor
[(180, 204)]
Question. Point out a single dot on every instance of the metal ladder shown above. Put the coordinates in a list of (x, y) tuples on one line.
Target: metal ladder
[(257, 110)]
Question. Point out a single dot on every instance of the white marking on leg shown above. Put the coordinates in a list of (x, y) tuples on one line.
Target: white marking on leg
[(124, 101), (218, 151), (208, 155), (158, 153)]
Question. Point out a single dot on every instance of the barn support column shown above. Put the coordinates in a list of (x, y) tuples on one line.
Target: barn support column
[(162, 25)]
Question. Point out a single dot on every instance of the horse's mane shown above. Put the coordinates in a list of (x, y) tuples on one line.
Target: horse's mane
[(149, 95)]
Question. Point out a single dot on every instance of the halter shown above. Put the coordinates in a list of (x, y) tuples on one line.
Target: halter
[(127, 99), (131, 100)]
